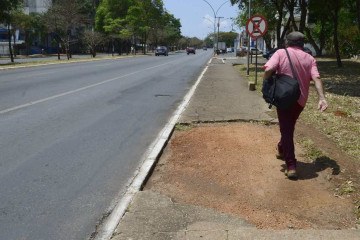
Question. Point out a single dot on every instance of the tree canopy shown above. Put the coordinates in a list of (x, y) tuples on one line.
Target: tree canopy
[(138, 19), (331, 25), (6, 7)]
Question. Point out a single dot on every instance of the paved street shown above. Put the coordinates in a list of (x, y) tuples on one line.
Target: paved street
[(74, 134)]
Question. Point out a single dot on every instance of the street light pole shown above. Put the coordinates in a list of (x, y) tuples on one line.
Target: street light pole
[(217, 37), (249, 39), (215, 13)]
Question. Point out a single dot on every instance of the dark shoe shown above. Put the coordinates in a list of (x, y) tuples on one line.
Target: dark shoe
[(279, 156), (291, 174)]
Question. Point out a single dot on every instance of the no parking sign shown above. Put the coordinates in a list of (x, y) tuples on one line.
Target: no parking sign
[(256, 26)]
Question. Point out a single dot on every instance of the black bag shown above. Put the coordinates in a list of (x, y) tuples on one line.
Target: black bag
[(281, 90)]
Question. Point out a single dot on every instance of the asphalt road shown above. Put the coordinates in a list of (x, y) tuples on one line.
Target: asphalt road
[(72, 136)]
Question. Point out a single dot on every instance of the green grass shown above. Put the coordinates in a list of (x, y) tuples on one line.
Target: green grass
[(62, 60), (341, 121), (183, 127)]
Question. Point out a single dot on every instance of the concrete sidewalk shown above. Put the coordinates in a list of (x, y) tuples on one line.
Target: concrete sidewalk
[(221, 96)]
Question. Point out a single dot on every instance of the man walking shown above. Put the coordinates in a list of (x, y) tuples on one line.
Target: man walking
[(306, 70)]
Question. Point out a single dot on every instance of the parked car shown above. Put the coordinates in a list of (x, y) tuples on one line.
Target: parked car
[(190, 50), (161, 50), (205, 48), (269, 53)]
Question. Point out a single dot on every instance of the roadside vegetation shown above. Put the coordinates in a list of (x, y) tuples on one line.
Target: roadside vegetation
[(341, 121)]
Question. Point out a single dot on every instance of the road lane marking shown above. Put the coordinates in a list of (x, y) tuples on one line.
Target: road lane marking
[(77, 90), (149, 159)]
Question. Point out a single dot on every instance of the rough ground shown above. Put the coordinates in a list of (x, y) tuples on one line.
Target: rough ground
[(235, 171)]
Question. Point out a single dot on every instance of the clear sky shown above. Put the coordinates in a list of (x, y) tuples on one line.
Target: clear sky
[(197, 17)]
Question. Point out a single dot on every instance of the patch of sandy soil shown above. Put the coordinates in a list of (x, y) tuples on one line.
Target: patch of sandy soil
[(231, 167)]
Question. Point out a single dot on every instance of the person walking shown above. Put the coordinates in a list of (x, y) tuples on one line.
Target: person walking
[(306, 69)]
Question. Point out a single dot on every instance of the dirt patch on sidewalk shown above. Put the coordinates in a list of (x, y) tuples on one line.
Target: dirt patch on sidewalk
[(231, 167)]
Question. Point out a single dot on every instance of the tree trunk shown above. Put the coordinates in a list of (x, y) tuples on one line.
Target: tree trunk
[(93, 51), (27, 44), (145, 40), (303, 7), (322, 37), (10, 49), (291, 15), (358, 13), (67, 46), (312, 42), (112, 47), (14, 44), (278, 31), (58, 52), (336, 41)]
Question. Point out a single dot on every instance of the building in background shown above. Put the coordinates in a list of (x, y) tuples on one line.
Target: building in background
[(30, 6), (36, 6)]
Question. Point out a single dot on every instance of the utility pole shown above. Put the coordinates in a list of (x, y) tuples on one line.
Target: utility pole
[(215, 12), (217, 37), (249, 40)]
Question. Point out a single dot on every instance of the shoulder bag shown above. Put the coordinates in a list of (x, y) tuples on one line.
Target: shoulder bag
[(282, 91)]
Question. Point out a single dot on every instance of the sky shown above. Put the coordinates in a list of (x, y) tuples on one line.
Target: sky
[(197, 17)]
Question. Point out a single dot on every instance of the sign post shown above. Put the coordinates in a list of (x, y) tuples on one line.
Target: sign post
[(256, 27)]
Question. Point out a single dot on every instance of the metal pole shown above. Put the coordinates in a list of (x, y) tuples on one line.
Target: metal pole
[(217, 39), (248, 45), (256, 62), (214, 24)]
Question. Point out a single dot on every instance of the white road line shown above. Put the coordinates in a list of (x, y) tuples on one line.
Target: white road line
[(76, 90), (106, 230)]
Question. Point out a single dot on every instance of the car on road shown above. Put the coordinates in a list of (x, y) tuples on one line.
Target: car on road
[(205, 48), (190, 50), (161, 50), (269, 53), (229, 50)]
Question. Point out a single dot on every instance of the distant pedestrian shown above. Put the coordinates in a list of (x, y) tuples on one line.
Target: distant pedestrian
[(306, 70)]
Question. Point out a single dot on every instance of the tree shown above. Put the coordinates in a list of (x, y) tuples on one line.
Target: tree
[(7, 10), (334, 7), (21, 22), (209, 40), (137, 21), (326, 17), (349, 28), (143, 17), (63, 18), (172, 29), (92, 39), (111, 20), (6, 6), (227, 37), (320, 27), (166, 31)]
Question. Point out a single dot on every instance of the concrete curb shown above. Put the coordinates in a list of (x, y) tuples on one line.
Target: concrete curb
[(140, 176)]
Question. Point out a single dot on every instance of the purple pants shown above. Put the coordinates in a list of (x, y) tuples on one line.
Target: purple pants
[(287, 120)]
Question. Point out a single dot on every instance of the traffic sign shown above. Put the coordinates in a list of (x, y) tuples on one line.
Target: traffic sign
[(256, 26)]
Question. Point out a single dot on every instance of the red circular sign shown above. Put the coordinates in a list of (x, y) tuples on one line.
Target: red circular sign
[(256, 26)]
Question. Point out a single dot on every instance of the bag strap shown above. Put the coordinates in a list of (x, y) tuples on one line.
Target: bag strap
[(291, 65)]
